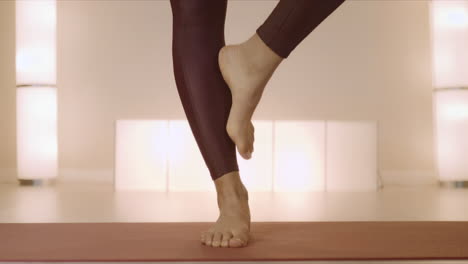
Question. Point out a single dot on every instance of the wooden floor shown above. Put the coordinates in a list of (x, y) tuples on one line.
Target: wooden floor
[(99, 203)]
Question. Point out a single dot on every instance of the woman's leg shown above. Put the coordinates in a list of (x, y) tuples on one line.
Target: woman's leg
[(293, 20), (198, 35), (247, 67)]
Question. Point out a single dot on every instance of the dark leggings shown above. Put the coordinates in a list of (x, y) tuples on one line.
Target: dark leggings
[(198, 35)]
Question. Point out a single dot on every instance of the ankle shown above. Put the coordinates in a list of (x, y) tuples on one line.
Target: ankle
[(230, 186), (236, 193), (260, 56)]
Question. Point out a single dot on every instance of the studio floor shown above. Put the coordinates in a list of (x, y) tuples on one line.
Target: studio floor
[(100, 203)]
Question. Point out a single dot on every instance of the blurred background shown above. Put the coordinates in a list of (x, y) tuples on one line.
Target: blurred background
[(370, 60)]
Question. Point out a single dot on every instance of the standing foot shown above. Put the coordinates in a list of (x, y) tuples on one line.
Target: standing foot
[(233, 225)]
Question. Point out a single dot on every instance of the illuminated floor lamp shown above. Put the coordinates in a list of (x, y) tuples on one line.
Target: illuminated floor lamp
[(449, 32), (36, 110)]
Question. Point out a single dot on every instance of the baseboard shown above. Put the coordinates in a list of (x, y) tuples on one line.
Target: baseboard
[(408, 177)]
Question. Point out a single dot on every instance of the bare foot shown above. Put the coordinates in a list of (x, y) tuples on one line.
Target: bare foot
[(233, 225), (246, 68)]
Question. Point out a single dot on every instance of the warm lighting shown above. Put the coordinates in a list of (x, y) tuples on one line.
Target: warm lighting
[(299, 156), (449, 34), (450, 14), (452, 105), (141, 148), (449, 28), (351, 155), (187, 169), (289, 156), (36, 42), (451, 129), (256, 173), (36, 92), (36, 117)]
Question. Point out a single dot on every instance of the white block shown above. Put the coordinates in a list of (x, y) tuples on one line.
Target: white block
[(299, 159), (187, 169), (36, 121), (351, 155), (257, 173), (141, 155)]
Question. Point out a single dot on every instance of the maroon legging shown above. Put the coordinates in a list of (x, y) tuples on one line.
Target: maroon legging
[(198, 35)]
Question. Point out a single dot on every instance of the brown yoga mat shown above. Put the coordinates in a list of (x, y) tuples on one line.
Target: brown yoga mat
[(270, 241)]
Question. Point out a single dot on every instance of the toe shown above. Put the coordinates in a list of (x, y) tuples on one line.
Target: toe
[(226, 237), (244, 150), (208, 238), (251, 144), (243, 146), (235, 242), (239, 239), (218, 236)]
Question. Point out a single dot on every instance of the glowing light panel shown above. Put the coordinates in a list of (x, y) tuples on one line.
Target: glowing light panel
[(36, 41), (187, 169), (449, 27), (141, 155), (299, 157), (351, 155), (451, 130), (36, 120)]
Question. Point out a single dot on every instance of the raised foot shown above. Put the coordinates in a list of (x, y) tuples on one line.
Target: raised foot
[(246, 68)]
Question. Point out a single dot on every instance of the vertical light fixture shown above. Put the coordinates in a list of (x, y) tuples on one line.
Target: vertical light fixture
[(449, 33), (36, 95)]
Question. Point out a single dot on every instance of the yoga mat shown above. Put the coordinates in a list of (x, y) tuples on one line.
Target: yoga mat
[(270, 241)]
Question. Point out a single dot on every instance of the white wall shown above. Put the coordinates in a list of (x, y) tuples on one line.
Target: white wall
[(368, 60), (7, 90)]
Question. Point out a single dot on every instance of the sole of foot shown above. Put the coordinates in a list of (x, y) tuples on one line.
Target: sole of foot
[(246, 68)]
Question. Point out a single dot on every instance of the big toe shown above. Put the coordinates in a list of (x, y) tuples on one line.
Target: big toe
[(245, 150), (244, 146), (239, 239)]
